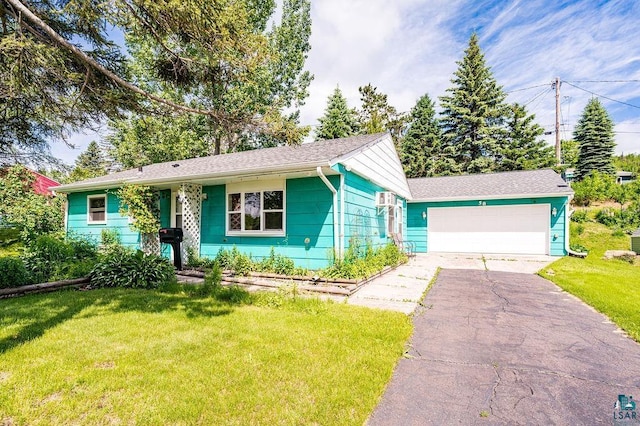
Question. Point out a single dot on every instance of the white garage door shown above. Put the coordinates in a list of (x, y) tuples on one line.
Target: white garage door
[(518, 229)]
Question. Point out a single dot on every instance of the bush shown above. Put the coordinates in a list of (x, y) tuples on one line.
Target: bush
[(279, 264), (12, 272), (134, 269), (238, 262), (580, 216), (362, 263), (51, 258)]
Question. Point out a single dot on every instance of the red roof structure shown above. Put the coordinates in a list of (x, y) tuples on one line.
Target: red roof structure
[(42, 184)]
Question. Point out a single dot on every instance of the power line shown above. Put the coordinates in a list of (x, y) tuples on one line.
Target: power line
[(526, 88), (602, 96), (604, 81)]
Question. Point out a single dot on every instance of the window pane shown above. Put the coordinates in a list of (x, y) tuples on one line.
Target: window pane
[(235, 221), (97, 216), (273, 200), (234, 203), (252, 211), (273, 221), (96, 203)]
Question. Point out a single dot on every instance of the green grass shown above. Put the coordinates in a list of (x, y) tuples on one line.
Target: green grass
[(10, 244), (135, 356), (610, 286)]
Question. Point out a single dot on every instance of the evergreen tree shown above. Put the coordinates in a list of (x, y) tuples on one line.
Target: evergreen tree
[(473, 114), (594, 133), (338, 121), (90, 163), (522, 149), (377, 115), (421, 144)]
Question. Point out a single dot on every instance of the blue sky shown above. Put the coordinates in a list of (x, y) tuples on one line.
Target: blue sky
[(410, 47)]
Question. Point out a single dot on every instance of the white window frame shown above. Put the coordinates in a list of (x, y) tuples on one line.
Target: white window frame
[(174, 205), (260, 186), (89, 211)]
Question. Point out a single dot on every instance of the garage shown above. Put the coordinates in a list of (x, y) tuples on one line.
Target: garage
[(520, 213), (514, 229)]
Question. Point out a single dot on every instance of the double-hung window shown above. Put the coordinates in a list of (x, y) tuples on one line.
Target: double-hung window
[(256, 209), (97, 209)]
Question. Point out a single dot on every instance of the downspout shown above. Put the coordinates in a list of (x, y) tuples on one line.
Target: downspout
[(336, 236), (342, 202), (567, 221)]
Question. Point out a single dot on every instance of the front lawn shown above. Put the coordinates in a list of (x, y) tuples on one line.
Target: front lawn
[(134, 356), (610, 286)]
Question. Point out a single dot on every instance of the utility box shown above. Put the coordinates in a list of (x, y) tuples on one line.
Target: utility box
[(174, 237), (635, 242)]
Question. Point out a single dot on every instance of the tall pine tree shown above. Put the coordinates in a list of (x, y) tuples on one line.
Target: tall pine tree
[(522, 149), (421, 145), (338, 121), (473, 114), (594, 133)]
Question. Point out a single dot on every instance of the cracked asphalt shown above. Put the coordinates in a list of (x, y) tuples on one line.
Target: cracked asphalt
[(509, 348)]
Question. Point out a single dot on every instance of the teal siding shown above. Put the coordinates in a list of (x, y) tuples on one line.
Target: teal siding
[(77, 219), (309, 215), (363, 220), (417, 225)]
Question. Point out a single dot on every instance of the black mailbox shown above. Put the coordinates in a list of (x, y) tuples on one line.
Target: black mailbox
[(173, 236)]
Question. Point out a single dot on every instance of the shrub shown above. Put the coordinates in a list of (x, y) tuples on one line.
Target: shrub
[(578, 248), (278, 264), (240, 263), (359, 263), (12, 272), (127, 268), (43, 255), (580, 216)]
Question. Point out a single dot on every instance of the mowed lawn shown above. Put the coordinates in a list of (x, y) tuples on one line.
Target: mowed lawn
[(610, 286), (146, 357)]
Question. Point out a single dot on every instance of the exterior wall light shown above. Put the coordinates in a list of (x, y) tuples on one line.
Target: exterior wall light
[(424, 215), (554, 212)]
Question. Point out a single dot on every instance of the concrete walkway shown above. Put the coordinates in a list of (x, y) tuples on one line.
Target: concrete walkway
[(402, 289)]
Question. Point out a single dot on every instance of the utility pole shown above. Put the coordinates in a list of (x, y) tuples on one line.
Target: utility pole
[(558, 150)]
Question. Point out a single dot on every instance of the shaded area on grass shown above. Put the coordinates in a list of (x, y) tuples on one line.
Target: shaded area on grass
[(134, 356), (21, 323)]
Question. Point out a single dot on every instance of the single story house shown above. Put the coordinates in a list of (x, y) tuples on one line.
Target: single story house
[(310, 202), (522, 212)]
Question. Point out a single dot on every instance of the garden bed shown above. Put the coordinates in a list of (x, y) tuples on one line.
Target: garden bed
[(313, 284)]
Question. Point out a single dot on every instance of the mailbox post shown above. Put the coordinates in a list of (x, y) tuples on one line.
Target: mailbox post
[(173, 236)]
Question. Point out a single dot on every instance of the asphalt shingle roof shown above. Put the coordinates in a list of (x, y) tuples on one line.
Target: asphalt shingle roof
[(267, 159), (490, 185)]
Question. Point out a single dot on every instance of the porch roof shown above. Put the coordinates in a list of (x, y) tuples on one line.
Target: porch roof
[(283, 159)]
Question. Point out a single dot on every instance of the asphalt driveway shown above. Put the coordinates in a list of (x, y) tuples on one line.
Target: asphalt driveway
[(508, 348)]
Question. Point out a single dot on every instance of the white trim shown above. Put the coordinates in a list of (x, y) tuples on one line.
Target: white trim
[(93, 197), (334, 192), (260, 186), (487, 197)]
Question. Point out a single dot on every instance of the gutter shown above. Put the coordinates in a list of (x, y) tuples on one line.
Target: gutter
[(336, 236), (476, 197), (249, 172)]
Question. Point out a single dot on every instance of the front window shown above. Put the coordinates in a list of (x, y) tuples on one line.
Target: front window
[(255, 212), (97, 209)]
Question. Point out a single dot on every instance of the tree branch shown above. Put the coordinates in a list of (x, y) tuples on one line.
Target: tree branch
[(35, 20)]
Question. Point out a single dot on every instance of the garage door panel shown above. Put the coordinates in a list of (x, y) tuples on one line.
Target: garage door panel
[(517, 229)]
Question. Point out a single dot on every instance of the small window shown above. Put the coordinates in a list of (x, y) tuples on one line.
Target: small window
[(255, 212), (97, 209)]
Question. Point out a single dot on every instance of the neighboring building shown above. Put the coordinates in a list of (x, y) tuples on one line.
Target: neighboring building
[(622, 177), (311, 201), (43, 185), (523, 212)]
